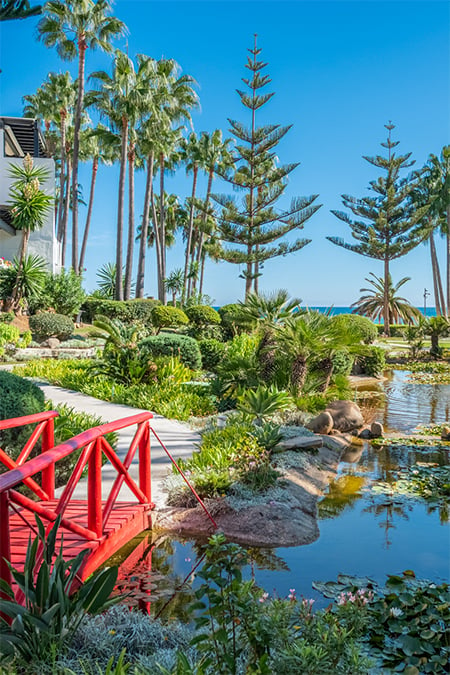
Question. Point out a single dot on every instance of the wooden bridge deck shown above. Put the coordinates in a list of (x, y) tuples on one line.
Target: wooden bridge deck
[(127, 520)]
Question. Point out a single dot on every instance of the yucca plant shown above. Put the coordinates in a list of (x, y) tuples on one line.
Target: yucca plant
[(43, 627), (263, 402)]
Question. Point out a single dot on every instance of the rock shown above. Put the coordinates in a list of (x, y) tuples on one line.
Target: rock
[(299, 443), (51, 342), (322, 424), (376, 429), (346, 415), (445, 434), (365, 433)]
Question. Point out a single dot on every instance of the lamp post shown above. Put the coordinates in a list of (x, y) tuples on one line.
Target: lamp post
[(425, 295)]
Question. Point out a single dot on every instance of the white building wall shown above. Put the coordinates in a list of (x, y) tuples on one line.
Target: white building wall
[(42, 242)]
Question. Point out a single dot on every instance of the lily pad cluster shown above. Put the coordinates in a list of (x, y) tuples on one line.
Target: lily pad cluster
[(427, 372), (429, 481), (408, 621)]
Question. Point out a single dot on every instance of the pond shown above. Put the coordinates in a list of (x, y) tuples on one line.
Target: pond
[(362, 532)]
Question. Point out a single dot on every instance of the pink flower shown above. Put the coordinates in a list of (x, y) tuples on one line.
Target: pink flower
[(264, 597)]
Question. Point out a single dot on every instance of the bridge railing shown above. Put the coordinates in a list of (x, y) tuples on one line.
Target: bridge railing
[(92, 444), (44, 429)]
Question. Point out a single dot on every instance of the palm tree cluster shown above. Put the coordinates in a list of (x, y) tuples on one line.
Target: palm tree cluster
[(138, 113)]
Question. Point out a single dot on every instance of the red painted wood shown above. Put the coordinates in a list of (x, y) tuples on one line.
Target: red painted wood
[(29, 445), (48, 474), (95, 489), (5, 542), (145, 476), (27, 419), (7, 461)]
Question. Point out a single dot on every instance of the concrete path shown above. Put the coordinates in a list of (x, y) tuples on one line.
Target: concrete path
[(177, 437)]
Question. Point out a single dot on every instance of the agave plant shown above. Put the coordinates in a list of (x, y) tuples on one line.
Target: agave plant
[(44, 626), (263, 402)]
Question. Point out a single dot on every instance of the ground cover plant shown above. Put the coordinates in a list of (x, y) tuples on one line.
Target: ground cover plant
[(174, 400)]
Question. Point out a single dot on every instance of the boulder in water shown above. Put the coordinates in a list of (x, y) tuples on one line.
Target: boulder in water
[(346, 415)]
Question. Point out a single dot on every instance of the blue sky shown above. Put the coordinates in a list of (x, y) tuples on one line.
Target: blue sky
[(340, 71)]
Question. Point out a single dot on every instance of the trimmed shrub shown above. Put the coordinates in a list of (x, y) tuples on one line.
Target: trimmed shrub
[(139, 309), (359, 326), (373, 363), (47, 325), (203, 315), (168, 317), (18, 397), (171, 344), (212, 352)]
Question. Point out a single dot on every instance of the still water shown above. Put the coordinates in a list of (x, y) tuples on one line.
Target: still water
[(361, 532)]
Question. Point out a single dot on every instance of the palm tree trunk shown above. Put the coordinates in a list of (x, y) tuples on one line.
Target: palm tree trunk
[(325, 367), (89, 213), (76, 148), (201, 235), (119, 242), (144, 229), (162, 228), (129, 264), (298, 373), (65, 220), (202, 274), (189, 238), (436, 274), (62, 177), (157, 244), (387, 328)]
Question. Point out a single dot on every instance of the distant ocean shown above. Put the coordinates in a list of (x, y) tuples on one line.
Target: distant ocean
[(431, 311)]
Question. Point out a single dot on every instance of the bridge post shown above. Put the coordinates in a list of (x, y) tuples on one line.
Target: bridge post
[(5, 546), (145, 475), (48, 474), (95, 520)]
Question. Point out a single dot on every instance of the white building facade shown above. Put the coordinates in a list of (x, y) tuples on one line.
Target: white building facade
[(18, 137)]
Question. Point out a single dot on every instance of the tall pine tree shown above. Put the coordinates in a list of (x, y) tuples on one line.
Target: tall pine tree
[(250, 229), (392, 223)]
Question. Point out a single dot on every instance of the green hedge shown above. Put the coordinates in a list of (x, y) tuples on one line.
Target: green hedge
[(359, 326), (397, 330), (47, 325), (342, 363), (139, 309), (212, 352), (171, 344), (18, 397)]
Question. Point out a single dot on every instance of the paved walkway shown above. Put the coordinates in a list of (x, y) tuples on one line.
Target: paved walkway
[(176, 436)]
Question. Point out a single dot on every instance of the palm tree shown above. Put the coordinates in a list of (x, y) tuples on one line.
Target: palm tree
[(372, 304), (216, 158), (114, 102), (99, 145), (107, 280), (74, 26), (296, 341), (436, 327), (175, 284), (191, 156), (267, 313)]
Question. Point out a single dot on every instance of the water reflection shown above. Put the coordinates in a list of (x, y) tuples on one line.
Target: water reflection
[(406, 405)]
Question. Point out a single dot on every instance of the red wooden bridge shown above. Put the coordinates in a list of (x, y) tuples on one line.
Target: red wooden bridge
[(100, 525)]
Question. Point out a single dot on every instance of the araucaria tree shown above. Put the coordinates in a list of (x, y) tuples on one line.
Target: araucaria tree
[(391, 224), (250, 231)]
